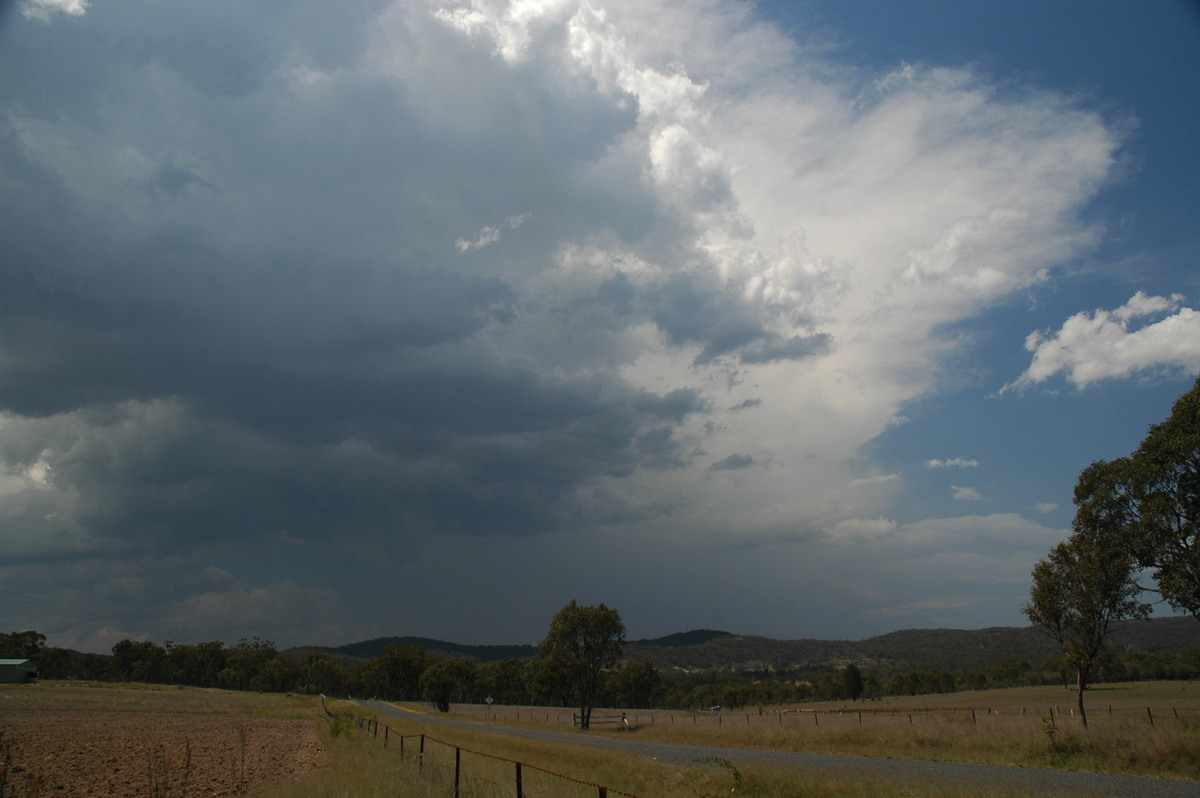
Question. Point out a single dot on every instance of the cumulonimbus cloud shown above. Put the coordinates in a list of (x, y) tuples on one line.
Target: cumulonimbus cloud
[(284, 296)]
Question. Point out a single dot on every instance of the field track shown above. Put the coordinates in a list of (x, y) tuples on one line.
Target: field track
[(982, 780)]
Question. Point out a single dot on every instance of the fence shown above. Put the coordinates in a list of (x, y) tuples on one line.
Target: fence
[(463, 770), (577, 719), (860, 714), (469, 772)]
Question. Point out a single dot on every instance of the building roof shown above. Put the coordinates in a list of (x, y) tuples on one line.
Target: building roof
[(15, 661)]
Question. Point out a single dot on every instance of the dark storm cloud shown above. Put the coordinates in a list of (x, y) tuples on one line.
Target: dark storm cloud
[(771, 348), (690, 312), (454, 297), (244, 314)]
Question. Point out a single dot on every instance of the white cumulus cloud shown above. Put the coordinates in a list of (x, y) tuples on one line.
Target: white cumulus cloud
[(1105, 344), (45, 9), (954, 462)]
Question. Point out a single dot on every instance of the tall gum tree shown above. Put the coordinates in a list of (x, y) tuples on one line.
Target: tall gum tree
[(1083, 585), (584, 642), (1149, 502)]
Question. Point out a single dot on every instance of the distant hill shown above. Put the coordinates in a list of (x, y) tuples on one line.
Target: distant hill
[(695, 637), (369, 649), (949, 650)]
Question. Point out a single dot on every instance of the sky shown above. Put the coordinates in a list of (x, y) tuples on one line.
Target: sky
[(325, 322)]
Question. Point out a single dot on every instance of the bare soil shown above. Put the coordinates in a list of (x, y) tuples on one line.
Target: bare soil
[(113, 753)]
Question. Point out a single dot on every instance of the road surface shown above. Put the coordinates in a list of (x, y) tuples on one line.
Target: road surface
[(982, 780)]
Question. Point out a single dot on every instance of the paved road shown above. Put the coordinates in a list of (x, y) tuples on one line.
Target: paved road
[(982, 780)]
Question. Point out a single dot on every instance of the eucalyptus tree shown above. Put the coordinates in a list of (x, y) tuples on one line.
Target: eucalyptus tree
[(1083, 585), (852, 681), (447, 680), (584, 642), (1150, 502)]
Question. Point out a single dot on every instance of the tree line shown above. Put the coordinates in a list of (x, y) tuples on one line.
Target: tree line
[(403, 672), (1134, 537)]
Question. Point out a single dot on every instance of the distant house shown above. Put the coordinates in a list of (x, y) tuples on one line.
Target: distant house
[(18, 671)]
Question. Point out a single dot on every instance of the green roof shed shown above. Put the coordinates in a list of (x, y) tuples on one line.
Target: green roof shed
[(18, 671)]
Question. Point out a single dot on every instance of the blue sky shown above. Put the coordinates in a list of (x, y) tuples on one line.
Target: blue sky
[(427, 317)]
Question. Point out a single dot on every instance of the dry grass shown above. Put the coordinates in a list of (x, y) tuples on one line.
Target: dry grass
[(1141, 729), (941, 727), (363, 768)]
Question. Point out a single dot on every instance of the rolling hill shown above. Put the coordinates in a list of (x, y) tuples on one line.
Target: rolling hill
[(911, 649)]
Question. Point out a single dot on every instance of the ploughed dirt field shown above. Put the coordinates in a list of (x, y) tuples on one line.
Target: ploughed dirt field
[(108, 742)]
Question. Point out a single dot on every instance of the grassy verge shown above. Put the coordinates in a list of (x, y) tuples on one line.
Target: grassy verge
[(360, 766), (1141, 729)]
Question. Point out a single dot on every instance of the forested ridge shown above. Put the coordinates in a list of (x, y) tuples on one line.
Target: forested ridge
[(694, 669), (926, 649)]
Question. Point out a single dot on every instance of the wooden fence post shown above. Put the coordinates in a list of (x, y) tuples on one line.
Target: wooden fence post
[(457, 769), (421, 755), (520, 790)]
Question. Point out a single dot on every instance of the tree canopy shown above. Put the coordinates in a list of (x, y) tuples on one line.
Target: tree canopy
[(1150, 502), (1081, 587), (582, 643), (1132, 514)]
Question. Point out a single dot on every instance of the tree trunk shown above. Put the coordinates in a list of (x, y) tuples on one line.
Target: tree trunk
[(1082, 685)]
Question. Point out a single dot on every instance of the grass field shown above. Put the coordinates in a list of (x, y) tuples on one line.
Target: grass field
[(363, 768), (1000, 726), (1146, 728)]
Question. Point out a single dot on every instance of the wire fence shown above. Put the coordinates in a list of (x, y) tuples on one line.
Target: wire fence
[(453, 770), (467, 773), (862, 714)]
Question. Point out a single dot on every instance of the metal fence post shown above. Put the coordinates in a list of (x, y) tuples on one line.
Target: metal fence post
[(520, 791), (457, 768)]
